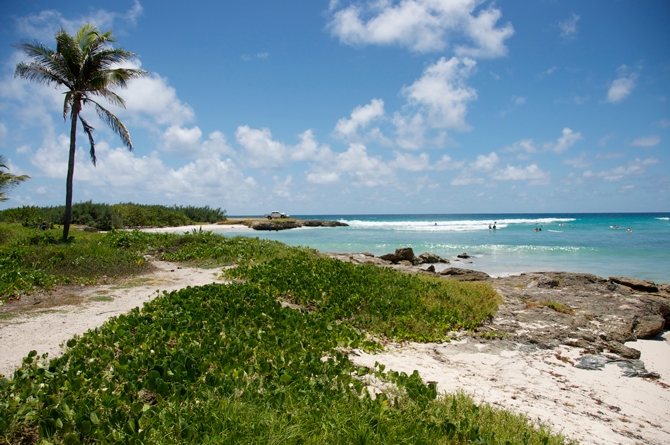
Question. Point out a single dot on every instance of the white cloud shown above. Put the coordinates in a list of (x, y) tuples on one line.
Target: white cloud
[(150, 101), (446, 163), (364, 170), (524, 145), (647, 141), (361, 117), (309, 149), (564, 142), (187, 142), (281, 188), (410, 131), (612, 155), (3, 134), (636, 167), (568, 27), (578, 162), (406, 161), (485, 163), (44, 25), (120, 173), (623, 86), (261, 151), (442, 94), (423, 26), (258, 56), (664, 123), (531, 172)]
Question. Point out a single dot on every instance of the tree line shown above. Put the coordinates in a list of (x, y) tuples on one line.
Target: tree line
[(117, 216)]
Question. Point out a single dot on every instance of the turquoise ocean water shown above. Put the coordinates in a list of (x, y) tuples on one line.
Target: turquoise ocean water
[(589, 243)]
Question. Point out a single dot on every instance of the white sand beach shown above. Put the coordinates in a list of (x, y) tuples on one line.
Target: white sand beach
[(594, 407), (216, 228)]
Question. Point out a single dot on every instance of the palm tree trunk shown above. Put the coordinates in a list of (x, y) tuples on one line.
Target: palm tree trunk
[(70, 170)]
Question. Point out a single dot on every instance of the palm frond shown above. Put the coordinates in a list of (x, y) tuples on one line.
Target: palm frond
[(115, 124), (88, 129), (38, 74), (110, 96)]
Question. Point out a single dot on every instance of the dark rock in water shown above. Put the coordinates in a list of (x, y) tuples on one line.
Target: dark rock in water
[(293, 224), (279, 225), (430, 258), (639, 285), (402, 254), (465, 274), (463, 255), (649, 326), (431, 268), (322, 223)]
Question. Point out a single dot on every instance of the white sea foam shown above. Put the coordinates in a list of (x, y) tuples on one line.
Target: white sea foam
[(663, 218), (449, 226)]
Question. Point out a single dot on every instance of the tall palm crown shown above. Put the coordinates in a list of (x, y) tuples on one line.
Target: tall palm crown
[(8, 180), (87, 67)]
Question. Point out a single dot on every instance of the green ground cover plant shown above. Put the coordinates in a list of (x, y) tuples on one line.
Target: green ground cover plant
[(383, 301), (228, 364), (38, 260), (117, 216)]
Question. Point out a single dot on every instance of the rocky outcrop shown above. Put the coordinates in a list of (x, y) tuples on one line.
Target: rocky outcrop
[(293, 224), (549, 309), (463, 256), (457, 273), (640, 285), (274, 225), (402, 254), (405, 256), (431, 258), (321, 223)]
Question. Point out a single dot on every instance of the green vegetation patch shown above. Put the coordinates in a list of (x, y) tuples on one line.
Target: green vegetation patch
[(228, 364), (117, 216), (31, 259), (101, 298), (381, 300)]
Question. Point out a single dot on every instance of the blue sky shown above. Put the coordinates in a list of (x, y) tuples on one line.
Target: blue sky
[(384, 106)]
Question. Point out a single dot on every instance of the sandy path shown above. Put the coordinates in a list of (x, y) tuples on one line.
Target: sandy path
[(594, 407), (44, 331)]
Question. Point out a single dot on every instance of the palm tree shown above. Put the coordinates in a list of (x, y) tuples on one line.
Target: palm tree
[(8, 180), (86, 66)]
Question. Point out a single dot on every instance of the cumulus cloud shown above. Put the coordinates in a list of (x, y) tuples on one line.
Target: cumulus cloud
[(422, 26), (406, 161), (187, 142), (622, 86), (44, 25), (362, 169), (531, 173), (360, 118), (485, 163), (564, 142), (442, 94), (636, 167), (151, 101), (647, 141), (120, 172), (524, 145), (568, 27), (262, 151)]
